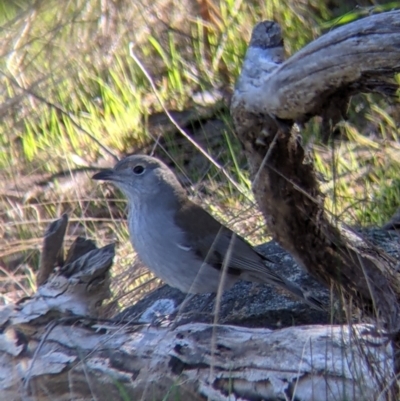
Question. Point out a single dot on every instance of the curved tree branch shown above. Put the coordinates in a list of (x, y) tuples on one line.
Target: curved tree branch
[(269, 97)]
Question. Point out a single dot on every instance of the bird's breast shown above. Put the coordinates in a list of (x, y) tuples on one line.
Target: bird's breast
[(161, 246)]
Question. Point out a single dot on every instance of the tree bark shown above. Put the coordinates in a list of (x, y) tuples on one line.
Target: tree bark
[(270, 96), (194, 362), (52, 346)]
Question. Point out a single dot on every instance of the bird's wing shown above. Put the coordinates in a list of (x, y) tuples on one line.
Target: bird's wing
[(217, 245), (213, 242)]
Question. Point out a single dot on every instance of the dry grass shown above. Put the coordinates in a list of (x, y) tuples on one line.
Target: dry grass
[(71, 98)]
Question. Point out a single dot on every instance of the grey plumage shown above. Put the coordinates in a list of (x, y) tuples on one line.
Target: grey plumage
[(180, 241)]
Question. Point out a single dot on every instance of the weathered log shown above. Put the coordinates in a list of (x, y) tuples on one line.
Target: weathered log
[(194, 361), (270, 96), (52, 347)]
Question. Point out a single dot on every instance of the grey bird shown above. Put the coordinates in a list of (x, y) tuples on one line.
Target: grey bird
[(181, 242)]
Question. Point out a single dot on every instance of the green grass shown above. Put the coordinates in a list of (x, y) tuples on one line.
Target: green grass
[(69, 100), (71, 95)]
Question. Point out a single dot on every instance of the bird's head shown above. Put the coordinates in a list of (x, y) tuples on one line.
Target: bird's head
[(143, 179)]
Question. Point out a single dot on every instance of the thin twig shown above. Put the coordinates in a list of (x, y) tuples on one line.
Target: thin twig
[(174, 122)]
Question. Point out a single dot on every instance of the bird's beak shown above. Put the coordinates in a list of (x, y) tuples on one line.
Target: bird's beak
[(106, 175)]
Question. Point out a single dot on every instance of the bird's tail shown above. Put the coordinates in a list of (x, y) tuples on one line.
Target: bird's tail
[(271, 277)]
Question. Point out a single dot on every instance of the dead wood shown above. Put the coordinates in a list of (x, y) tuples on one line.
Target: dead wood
[(270, 96), (52, 251), (53, 347)]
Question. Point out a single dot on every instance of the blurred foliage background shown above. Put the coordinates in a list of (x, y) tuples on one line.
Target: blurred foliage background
[(73, 99)]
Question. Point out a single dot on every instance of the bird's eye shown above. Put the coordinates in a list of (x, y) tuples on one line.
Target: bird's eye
[(138, 170)]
